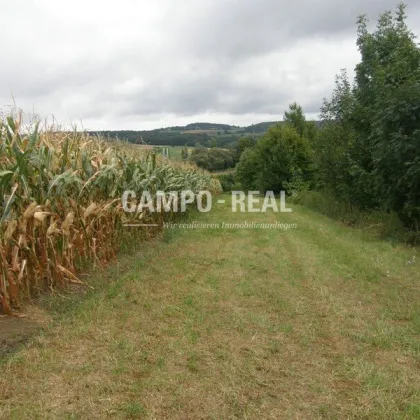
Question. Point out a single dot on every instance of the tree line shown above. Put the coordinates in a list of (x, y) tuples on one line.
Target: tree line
[(366, 149)]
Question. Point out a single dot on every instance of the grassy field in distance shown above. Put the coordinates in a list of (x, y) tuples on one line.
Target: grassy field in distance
[(174, 151)]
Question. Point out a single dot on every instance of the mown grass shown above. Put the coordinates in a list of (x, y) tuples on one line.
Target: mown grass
[(317, 322)]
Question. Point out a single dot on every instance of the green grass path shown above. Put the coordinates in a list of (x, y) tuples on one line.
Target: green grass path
[(318, 322)]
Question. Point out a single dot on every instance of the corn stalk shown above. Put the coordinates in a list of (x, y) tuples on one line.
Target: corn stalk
[(61, 203)]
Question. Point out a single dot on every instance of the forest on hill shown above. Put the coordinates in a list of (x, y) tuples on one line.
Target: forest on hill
[(189, 135)]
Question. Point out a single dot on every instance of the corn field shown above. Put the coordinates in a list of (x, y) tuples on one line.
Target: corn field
[(61, 204)]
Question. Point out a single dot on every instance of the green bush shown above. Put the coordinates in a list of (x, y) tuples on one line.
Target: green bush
[(280, 161), (227, 180), (212, 159)]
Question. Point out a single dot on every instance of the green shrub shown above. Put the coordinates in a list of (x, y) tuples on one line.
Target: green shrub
[(377, 223), (227, 180), (212, 159), (278, 162)]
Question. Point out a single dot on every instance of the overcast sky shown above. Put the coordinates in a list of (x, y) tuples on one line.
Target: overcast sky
[(134, 64)]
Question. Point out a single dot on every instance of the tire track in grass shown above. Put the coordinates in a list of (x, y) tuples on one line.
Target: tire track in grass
[(355, 313), (227, 324)]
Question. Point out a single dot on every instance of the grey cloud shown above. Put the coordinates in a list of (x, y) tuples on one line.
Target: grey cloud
[(218, 92), (235, 28), (137, 60)]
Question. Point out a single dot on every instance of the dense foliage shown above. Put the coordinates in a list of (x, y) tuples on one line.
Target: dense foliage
[(243, 144), (227, 180), (368, 151), (279, 161), (213, 159)]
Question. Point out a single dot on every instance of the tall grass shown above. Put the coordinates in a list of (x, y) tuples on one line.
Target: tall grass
[(377, 223), (61, 202)]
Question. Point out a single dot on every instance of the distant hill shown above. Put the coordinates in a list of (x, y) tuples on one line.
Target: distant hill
[(208, 126), (190, 134), (260, 127)]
